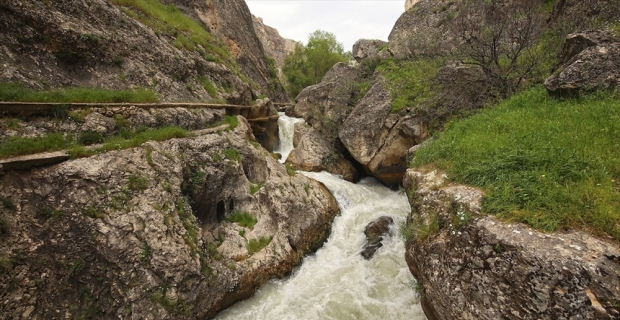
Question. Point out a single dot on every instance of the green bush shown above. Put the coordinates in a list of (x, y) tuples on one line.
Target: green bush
[(243, 219), (90, 137), (409, 82), (551, 164), (255, 246), (232, 154)]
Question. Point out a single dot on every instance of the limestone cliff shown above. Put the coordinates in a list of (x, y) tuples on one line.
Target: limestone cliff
[(274, 45), (169, 230), (214, 56)]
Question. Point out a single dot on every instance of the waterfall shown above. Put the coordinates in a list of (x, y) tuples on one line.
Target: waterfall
[(336, 282), (287, 130)]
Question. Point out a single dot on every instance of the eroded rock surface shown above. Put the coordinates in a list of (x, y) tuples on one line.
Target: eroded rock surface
[(147, 232), (52, 44), (275, 46), (379, 138), (365, 49), (591, 61), (314, 153), (472, 267)]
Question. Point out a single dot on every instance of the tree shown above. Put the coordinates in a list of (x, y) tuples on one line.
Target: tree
[(500, 37), (306, 66)]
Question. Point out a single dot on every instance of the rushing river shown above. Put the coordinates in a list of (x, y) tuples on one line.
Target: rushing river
[(336, 282)]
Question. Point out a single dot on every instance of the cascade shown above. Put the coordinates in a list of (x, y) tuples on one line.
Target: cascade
[(336, 282)]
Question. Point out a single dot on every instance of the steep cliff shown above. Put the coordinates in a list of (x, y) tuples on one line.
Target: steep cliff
[(178, 229), (274, 45), (116, 44)]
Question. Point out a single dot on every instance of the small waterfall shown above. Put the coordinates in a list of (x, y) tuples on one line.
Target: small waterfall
[(336, 282), (287, 130)]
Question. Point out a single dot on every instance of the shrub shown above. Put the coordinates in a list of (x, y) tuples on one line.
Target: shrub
[(232, 154), (137, 182), (254, 245), (243, 219), (90, 137)]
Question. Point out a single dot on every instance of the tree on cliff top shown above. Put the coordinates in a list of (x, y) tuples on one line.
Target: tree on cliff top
[(307, 65)]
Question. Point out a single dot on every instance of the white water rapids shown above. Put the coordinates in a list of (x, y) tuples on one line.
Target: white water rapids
[(336, 282)]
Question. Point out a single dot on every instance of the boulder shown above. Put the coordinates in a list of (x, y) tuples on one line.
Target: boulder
[(418, 30), (374, 232), (473, 267), (590, 63), (326, 105), (365, 49), (379, 138), (169, 230), (314, 153)]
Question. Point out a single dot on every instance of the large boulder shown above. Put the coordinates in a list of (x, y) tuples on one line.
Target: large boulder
[(326, 105), (423, 30), (365, 49), (472, 267), (590, 62), (169, 230), (379, 138), (312, 152)]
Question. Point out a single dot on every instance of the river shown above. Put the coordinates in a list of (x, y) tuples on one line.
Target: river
[(336, 282)]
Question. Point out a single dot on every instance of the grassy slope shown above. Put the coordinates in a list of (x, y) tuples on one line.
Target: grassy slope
[(551, 164)]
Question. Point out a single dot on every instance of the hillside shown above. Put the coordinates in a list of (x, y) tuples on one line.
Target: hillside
[(182, 50)]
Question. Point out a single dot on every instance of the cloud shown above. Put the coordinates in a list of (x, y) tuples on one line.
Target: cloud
[(349, 20)]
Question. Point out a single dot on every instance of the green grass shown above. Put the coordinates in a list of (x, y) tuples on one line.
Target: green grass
[(255, 187), (410, 82), (19, 146), (255, 246), (232, 154), (188, 33), (13, 91), (551, 164), (231, 121), (243, 219), (208, 86)]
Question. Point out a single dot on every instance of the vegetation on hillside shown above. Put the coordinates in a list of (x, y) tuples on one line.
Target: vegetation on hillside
[(307, 65), (17, 146), (187, 32), (13, 91), (548, 163)]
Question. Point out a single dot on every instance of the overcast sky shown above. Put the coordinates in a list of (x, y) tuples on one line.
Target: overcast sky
[(349, 20)]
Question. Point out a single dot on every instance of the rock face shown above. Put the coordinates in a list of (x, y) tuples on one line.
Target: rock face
[(590, 62), (374, 232), (231, 21), (264, 124), (378, 138), (100, 44), (150, 232), (410, 3), (423, 29), (314, 153), (370, 49), (108, 121), (326, 105), (274, 45), (472, 267)]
